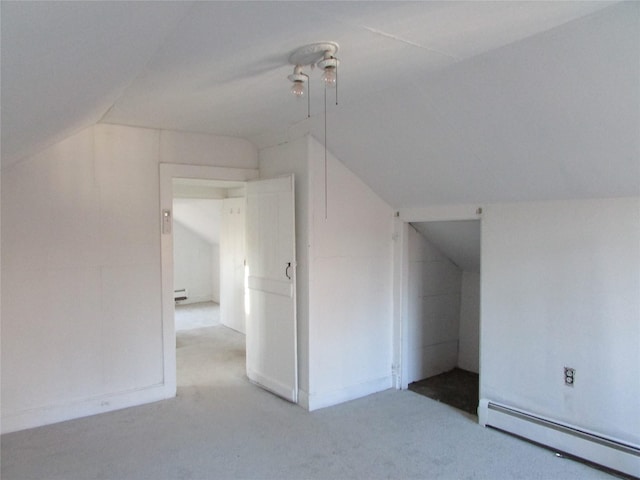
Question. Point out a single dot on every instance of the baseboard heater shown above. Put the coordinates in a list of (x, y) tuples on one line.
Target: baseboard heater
[(179, 295), (592, 447)]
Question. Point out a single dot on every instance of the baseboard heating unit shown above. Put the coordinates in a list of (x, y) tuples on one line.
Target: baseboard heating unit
[(590, 446), (179, 295)]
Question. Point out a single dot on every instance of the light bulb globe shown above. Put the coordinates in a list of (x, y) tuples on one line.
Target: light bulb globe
[(297, 89), (329, 77)]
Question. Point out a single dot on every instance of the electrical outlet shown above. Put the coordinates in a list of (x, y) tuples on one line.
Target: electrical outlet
[(569, 376)]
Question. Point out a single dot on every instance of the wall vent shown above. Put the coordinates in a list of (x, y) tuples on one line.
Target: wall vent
[(179, 295)]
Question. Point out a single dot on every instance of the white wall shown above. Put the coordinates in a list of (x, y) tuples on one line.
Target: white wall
[(469, 336), (433, 311), (350, 285), (215, 272), (202, 149), (344, 277), (561, 287), (201, 217), (81, 296), (192, 264)]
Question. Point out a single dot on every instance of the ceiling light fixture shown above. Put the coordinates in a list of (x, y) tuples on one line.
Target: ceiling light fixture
[(298, 78), (322, 55), (329, 65)]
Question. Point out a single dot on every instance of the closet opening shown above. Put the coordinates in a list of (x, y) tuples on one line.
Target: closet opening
[(441, 358)]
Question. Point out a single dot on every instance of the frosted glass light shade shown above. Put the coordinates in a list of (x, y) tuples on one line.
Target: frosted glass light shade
[(329, 77), (297, 89)]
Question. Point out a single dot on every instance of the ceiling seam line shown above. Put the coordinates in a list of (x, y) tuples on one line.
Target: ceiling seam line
[(409, 42), (161, 43)]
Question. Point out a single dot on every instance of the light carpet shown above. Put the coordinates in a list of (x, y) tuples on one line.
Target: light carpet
[(197, 315), (222, 427)]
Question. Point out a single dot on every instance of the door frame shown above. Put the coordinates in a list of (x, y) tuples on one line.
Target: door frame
[(401, 276), (169, 171)]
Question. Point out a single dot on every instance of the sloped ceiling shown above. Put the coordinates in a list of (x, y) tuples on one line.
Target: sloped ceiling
[(458, 240), (201, 216), (64, 64), (440, 102)]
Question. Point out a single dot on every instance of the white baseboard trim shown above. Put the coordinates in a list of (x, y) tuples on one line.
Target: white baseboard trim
[(40, 416), (591, 446), (316, 401), (280, 389)]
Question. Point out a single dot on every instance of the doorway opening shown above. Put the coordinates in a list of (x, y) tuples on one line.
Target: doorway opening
[(443, 314), (269, 292), (208, 281)]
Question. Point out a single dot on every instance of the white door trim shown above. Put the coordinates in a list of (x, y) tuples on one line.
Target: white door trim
[(401, 273), (438, 213), (169, 171)]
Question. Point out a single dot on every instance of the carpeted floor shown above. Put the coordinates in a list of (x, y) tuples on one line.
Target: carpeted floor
[(457, 387), (197, 315), (221, 427)]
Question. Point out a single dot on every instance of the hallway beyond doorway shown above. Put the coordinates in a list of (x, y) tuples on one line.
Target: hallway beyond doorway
[(197, 315)]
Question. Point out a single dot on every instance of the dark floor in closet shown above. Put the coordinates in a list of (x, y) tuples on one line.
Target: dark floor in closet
[(456, 387)]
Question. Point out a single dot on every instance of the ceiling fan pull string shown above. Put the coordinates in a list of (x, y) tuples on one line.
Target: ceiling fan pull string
[(326, 215), (337, 63), (308, 97)]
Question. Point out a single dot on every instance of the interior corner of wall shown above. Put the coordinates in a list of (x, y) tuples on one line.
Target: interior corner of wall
[(483, 407), (303, 399)]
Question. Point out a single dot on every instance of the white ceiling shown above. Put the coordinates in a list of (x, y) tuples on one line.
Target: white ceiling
[(440, 102), (198, 188)]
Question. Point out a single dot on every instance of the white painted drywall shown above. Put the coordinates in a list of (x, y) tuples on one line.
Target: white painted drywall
[(561, 287), (81, 296), (203, 149), (232, 256), (350, 285), (81, 269), (215, 272), (469, 333), (200, 215), (192, 264), (344, 277), (283, 160), (0, 268), (433, 311)]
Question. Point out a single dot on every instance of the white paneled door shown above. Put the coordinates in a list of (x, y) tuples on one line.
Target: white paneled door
[(271, 287)]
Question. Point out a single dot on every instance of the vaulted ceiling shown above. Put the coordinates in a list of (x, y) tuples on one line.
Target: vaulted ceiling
[(440, 102)]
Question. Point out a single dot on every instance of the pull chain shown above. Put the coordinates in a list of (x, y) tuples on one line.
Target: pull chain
[(308, 97), (337, 83), (326, 203)]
